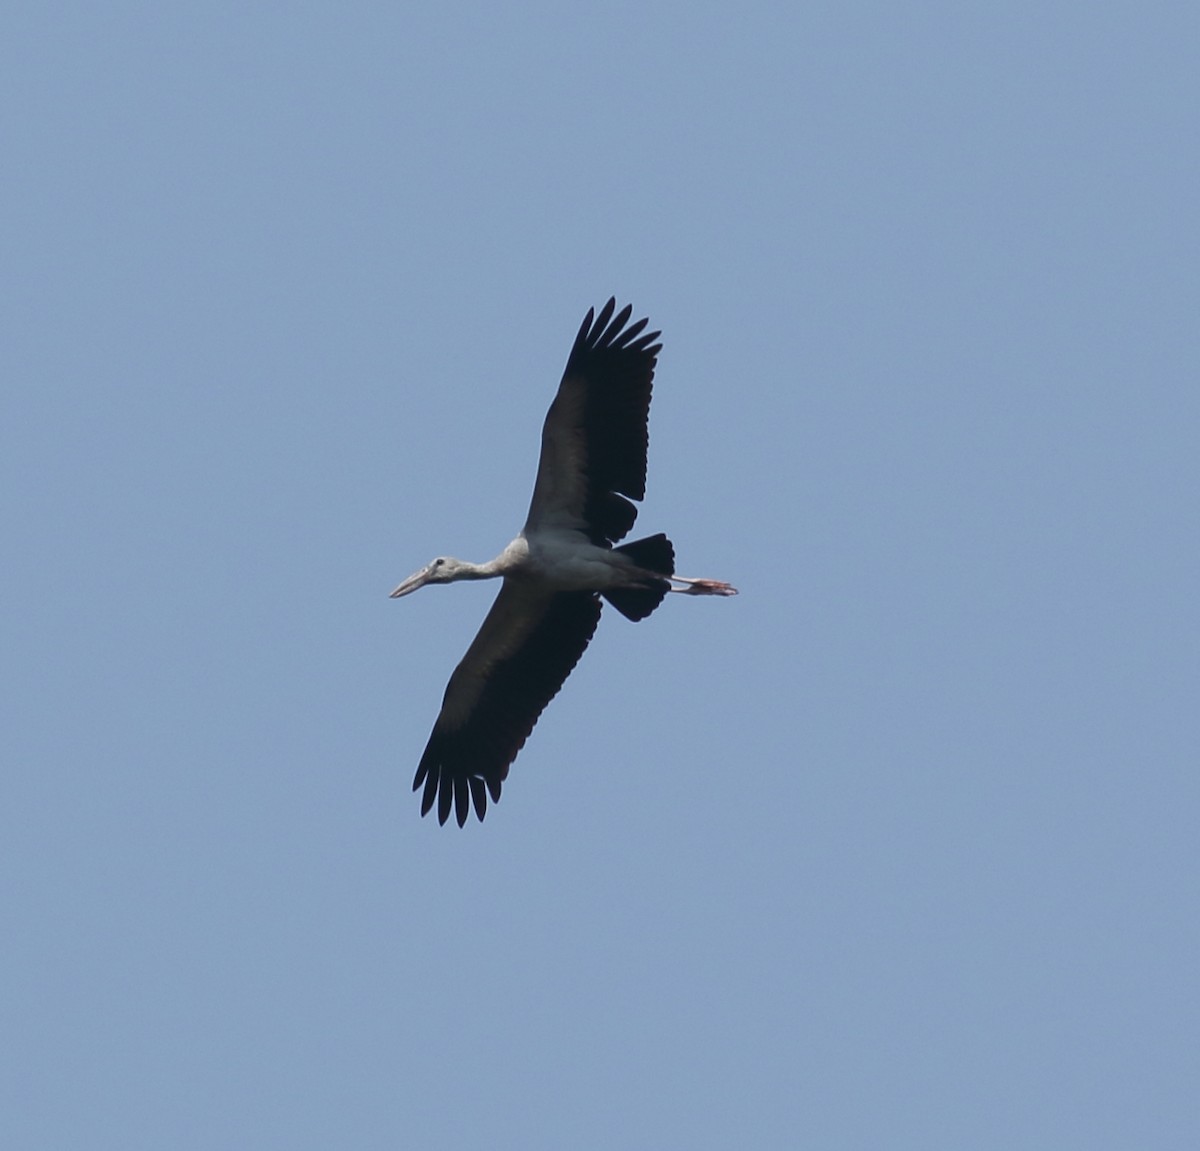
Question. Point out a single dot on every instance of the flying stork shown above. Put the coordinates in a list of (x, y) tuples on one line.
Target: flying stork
[(555, 572)]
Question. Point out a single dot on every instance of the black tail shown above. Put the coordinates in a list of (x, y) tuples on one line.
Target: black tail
[(654, 554)]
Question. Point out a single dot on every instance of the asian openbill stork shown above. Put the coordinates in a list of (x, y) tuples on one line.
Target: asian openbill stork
[(555, 572)]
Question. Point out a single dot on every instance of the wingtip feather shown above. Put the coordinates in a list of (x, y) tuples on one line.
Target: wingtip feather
[(603, 318)]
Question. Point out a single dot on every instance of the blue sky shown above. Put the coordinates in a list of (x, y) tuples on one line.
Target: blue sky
[(898, 849)]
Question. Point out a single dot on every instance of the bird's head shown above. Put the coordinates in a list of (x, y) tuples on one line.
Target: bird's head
[(444, 569)]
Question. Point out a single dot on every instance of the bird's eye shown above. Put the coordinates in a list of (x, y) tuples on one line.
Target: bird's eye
[(438, 563)]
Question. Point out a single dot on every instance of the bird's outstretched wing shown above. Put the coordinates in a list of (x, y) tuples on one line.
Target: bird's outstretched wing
[(526, 648), (595, 436)]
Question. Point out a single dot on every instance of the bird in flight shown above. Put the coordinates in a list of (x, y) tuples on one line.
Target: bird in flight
[(557, 571)]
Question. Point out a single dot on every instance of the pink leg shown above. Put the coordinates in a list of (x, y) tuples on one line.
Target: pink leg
[(703, 586)]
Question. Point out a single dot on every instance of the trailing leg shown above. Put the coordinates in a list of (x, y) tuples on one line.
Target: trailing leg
[(703, 586)]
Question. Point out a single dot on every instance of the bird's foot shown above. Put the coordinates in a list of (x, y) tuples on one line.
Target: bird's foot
[(703, 587)]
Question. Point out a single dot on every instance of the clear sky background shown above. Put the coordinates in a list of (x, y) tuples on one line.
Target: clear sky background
[(898, 849)]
